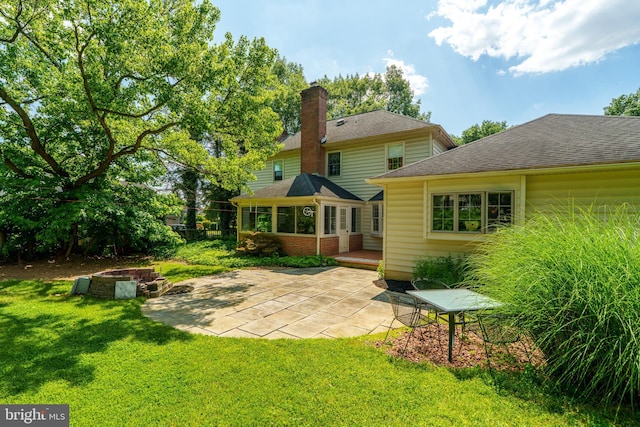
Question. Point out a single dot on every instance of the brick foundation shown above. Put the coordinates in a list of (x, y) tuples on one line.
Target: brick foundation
[(355, 242)]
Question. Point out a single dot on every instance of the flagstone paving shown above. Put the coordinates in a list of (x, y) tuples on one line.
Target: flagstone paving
[(324, 302)]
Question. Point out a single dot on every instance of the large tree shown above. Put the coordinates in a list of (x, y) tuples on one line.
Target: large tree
[(98, 95), (624, 105)]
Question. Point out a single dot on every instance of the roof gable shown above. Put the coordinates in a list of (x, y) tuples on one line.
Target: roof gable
[(554, 140)]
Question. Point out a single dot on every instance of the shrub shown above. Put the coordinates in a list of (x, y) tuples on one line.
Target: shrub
[(448, 269), (259, 244), (573, 282)]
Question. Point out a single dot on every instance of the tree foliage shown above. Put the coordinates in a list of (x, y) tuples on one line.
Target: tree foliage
[(97, 93), (356, 94), (347, 96), (475, 132), (624, 105), (287, 102)]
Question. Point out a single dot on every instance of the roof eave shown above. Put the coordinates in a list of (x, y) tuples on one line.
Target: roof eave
[(532, 171)]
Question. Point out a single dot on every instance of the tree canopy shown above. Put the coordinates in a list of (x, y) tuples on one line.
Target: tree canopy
[(347, 95), (98, 93), (479, 131), (624, 105), (356, 94)]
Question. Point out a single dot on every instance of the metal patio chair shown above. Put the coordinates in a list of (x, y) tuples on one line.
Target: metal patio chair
[(497, 329), (408, 311)]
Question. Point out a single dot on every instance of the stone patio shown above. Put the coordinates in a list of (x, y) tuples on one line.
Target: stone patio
[(326, 302)]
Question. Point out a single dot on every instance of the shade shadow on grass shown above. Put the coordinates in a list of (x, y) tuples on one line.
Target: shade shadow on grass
[(52, 338)]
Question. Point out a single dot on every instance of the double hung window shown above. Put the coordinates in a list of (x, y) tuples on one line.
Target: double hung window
[(377, 218), (395, 156), (334, 161), (278, 170)]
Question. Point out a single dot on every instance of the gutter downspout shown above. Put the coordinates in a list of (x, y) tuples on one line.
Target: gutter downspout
[(315, 202)]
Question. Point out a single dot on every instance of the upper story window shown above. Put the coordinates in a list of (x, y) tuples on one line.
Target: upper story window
[(278, 170), (477, 212), (333, 163), (395, 156)]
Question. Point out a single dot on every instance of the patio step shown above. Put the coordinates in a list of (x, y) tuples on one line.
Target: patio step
[(361, 263)]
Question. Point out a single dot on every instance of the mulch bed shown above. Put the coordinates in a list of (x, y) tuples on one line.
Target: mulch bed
[(431, 344)]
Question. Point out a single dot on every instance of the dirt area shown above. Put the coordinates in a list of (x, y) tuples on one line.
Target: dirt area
[(431, 344), (67, 269)]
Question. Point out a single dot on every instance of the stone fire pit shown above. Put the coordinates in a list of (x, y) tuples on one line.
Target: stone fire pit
[(148, 282)]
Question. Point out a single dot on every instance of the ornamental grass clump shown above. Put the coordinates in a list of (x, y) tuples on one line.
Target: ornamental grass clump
[(573, 282)]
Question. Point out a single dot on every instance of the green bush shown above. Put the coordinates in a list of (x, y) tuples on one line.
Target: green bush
[(449, 270), (259, 244), (573, 281)]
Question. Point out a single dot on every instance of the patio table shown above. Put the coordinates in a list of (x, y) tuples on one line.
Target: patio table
[(452, 302)]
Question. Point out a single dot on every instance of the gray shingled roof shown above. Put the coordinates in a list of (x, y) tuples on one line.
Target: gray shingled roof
[(554, 140), (302, 186), (374, 123)]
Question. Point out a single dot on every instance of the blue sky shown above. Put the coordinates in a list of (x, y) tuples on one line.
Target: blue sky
[(467, 60)]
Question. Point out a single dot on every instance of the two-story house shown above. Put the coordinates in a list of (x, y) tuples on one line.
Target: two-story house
[(313, 194)]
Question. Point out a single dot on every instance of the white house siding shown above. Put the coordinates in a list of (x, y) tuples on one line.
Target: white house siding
[(438, 147), (265, 176), (363, 161)]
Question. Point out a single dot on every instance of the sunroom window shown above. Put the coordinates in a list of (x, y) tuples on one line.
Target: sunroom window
[(256, 219), (296, 219)]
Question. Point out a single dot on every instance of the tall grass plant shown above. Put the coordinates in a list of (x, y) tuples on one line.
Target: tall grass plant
[(573, 281)]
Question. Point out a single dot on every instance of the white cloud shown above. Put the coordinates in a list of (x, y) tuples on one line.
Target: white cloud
[(417, 82), (543, 35)]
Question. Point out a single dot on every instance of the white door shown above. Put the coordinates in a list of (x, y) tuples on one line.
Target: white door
[(343, 229)]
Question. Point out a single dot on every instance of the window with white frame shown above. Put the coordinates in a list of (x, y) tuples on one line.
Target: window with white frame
[(278, 170), (334, 161), (395, 156), (329, 220), (356, 220), (377, 218), (296, 219), (473, 212)]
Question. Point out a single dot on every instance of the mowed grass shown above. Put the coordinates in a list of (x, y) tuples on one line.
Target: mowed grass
[(114, 367)]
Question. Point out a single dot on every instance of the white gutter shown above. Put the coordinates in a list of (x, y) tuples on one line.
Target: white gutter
[(315, 202)]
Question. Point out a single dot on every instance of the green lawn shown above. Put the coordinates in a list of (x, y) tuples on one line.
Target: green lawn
[(114, 367)]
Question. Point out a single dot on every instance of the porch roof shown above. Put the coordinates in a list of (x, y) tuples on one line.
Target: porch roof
[(304, 185)]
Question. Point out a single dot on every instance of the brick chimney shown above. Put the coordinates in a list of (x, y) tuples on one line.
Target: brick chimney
[(314, 128)]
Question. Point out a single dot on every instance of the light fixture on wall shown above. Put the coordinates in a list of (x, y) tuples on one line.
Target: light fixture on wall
[(323, 139)]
